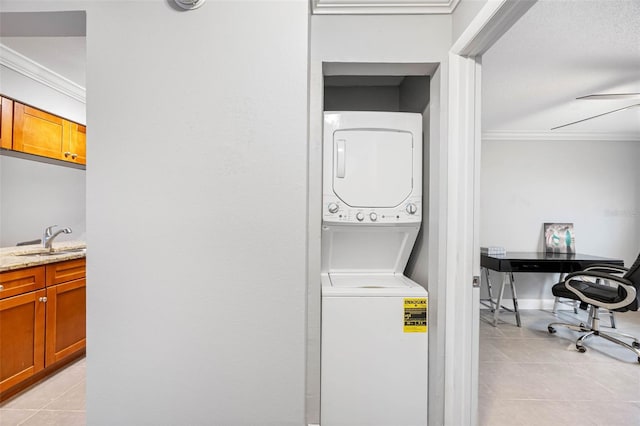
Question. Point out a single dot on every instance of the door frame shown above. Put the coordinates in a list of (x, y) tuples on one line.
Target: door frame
[(462, 252)]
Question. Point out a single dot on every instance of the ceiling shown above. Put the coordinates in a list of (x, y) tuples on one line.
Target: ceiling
[(55, 40), (558, 51)]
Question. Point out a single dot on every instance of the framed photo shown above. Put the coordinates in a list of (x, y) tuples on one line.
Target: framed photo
[(559, 238)]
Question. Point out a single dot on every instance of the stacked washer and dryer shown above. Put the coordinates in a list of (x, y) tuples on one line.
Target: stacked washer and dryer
[(374, 319)]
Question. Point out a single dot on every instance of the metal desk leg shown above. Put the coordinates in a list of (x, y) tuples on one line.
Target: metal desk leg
[(496, 312), (486, 274), (515, 298)]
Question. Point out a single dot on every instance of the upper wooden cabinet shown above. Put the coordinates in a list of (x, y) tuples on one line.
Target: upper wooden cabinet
[(76, 148), (6, 123), (40, 133)]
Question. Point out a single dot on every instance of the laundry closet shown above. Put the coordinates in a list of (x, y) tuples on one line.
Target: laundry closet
[(374, 319)]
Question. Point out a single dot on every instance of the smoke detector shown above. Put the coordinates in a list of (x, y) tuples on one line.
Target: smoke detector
[(189, 4)]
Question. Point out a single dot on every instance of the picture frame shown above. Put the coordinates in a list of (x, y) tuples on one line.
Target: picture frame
[(559, 238)]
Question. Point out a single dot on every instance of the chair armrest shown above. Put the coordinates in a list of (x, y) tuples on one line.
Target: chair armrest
[(609, 269), (624, 283)]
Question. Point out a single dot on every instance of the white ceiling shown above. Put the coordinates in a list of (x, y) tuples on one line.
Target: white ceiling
[(558, 51), (55, 40)]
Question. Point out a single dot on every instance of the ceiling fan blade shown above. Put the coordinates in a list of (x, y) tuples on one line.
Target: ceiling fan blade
[(596, 116), (624, 96)]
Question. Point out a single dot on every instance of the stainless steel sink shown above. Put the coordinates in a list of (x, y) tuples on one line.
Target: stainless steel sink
[(52, 253)]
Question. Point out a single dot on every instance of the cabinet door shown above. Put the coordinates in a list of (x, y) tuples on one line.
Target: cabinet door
[(76, 148), (6, 123), (66, 320), (21, 337), (38, 132)]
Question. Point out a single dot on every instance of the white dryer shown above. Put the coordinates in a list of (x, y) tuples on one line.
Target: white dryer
[(374, 319)]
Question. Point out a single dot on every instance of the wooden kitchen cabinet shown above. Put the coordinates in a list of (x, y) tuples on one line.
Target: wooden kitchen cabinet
[(43, 328), (20, 281), (39, 133), (6, 123), (22, 337), (66, 320), (66, 309), (76, 147)]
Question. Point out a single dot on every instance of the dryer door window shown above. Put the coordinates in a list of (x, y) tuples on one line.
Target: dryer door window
[(372, 167)]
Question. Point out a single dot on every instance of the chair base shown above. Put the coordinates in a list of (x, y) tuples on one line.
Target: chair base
[(593, 329)]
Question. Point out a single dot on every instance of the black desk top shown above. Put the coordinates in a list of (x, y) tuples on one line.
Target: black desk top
[(542, 262)]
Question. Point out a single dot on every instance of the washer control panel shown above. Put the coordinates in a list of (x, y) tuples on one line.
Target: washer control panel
[(407, 212)]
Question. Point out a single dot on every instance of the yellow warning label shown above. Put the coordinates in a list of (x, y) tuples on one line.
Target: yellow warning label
[(415, 315)]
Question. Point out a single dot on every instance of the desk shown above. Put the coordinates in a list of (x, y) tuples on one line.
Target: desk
[(562, 263)]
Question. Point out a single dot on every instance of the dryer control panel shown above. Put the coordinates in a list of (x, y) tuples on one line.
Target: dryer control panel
[(336, 211)]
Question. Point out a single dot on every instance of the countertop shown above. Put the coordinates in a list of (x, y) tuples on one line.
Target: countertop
[(31, 255)]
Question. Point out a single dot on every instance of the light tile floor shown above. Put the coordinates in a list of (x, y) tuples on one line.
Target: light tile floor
[(530, 377), (57, 401), (527, 377)]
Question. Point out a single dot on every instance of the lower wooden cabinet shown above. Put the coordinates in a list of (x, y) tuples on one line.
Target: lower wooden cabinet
[(66, 320), (40, 329), (22, 331)]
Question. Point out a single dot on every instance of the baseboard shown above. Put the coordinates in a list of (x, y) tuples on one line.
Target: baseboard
[(540, 304)]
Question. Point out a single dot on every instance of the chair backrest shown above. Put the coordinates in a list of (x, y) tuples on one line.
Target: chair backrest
[(633, 275)]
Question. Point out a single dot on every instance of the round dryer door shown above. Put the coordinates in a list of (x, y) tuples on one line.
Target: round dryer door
[(372, 167)]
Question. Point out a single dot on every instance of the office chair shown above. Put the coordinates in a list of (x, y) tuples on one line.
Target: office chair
[(593, 288)]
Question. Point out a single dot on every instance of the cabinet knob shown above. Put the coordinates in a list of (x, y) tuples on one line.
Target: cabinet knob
[(1, 287), (43, 299), (66, 154), (74, 156)]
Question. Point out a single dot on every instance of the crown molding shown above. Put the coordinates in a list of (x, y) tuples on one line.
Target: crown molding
[(389, 7), (33, 70), (559, 136)]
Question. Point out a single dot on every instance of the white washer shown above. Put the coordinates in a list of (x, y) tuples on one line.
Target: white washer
[(374, 319)]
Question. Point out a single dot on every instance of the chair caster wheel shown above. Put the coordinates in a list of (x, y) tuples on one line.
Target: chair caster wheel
[(636, 345), (551, 329), (581, 349)]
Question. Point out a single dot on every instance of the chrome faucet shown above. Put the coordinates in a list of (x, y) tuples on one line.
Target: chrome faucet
[(47, 238)]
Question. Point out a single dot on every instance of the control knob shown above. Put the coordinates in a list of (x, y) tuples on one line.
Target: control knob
[(333, 207), (360, 216), (373, 217), (411, 208)]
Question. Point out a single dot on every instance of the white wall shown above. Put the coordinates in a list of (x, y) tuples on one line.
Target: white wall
[(197, 213), (593, 184), (28, 91), (363, 39), (34, 195)]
